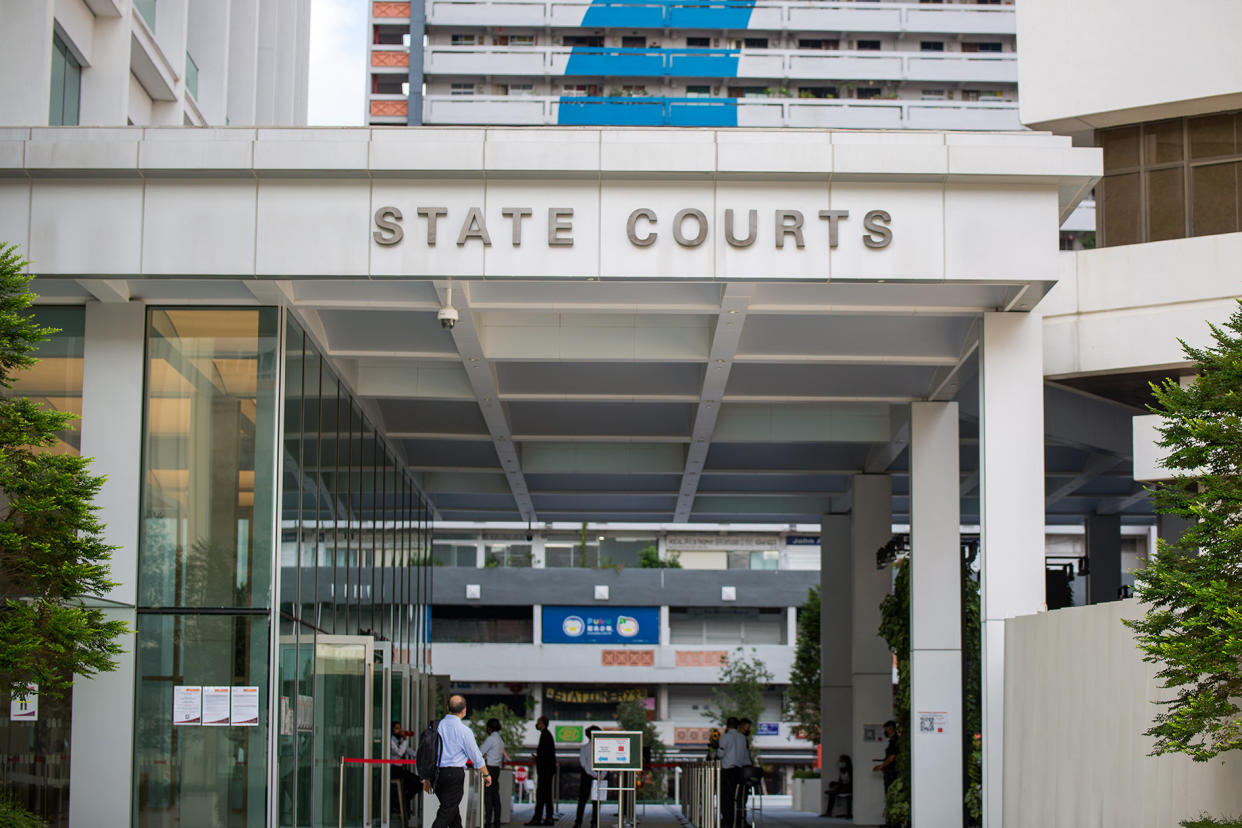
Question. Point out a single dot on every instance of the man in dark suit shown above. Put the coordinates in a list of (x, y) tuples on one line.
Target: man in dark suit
[(545, 772)]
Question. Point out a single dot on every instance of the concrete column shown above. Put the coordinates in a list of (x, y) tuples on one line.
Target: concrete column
[(26, 63), (102, 759), (871, 523), (935, 725), (1104, 557), (418, 28), (1011, 465), (666, 635), (836, 693)]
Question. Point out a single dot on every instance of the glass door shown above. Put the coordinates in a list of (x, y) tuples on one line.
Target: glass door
[(344, 678)]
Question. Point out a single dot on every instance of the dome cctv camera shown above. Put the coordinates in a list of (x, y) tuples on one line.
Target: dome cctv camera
[(447, 316)]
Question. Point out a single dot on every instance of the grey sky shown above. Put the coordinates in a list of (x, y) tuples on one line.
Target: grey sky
[(337, 62)]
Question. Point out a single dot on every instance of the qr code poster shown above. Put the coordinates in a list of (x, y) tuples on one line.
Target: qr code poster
[(931, 722)]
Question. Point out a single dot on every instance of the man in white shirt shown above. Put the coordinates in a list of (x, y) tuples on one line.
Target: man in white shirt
[(457, 745), (586, 779), (734, 756), (493, 750)]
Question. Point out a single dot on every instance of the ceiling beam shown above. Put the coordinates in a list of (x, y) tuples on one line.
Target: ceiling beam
[(1119, 504), (107, 290), (734, 303), (947, 380), (1095, 466), (882, 456), (483, 380)]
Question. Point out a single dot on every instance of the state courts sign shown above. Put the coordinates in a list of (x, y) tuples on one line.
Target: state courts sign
[(622, 229)]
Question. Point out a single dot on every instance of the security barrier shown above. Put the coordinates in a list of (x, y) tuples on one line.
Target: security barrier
[(698, 792)]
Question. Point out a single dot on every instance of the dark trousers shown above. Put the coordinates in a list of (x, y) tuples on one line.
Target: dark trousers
[(732, 798), (491, 798), (585, 780), (411, 785), (449, 784), (543, 794)]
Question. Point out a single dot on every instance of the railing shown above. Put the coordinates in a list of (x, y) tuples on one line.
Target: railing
[(533, 110), (803, 64), (776, 15), (699, 794)]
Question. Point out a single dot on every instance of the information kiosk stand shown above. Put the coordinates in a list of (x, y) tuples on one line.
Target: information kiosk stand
[(619, 752)]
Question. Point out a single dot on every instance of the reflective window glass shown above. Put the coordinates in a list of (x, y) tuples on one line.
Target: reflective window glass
[(208, 458), (1120, 208), (199, 776), (1162, 142), (1121, 148), (1216, 192), (1211, 136), (1166, 200)]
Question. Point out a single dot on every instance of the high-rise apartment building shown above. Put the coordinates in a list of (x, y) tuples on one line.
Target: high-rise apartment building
[(154, 62), (749, 63)]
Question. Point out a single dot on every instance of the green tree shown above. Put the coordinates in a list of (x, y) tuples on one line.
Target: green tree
[(739, 691), (802, 697), (649, 558), (512, 726), (1192, 627), (895, 629), (52, 550), (632, 715)]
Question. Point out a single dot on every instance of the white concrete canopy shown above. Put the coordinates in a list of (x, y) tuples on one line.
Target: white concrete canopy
[(608, 379)]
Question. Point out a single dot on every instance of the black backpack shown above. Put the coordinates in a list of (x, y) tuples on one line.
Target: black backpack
[(427, 756)]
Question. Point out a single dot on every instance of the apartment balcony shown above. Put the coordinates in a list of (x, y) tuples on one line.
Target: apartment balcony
[(792, 64), (719, 112), (772, 15)]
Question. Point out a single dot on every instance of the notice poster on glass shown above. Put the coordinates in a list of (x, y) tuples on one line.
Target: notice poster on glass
[(25, 707), (245, 706), (187, 705), (216, 706)]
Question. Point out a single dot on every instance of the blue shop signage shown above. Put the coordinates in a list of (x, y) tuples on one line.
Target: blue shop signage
[(601, 625)]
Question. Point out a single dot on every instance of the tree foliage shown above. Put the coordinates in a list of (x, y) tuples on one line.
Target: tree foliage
[(739, 688), (895, 629), (802, 697), (632, 715), (1193, 586), (512, 726), (52, 550)]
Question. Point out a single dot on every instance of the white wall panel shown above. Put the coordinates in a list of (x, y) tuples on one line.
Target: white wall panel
[(1077, 698), (213, 234), (86, 226), (1154, 53), (313, 228), (978, 232), (15, 212)]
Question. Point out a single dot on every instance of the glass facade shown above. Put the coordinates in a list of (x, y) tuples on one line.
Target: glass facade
[(66, 85), (35, 770), (283, 546), (353, 561), (1170, 179)]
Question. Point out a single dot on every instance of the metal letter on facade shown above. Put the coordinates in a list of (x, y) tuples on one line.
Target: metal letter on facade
[(789, 223), (630, 230), (752, 230), (474, 227), (432, 214), (556, 226), (680, 218), (515, 215), (386, 219), (878, 235), (833, 217)]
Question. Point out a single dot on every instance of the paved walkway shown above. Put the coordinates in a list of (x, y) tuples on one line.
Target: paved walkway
[(669, 816)]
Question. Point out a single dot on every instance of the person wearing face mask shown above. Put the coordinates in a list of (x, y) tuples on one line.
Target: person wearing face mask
[(842, 788)]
